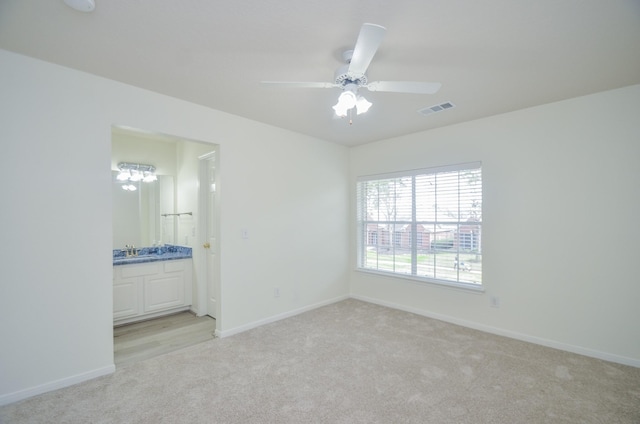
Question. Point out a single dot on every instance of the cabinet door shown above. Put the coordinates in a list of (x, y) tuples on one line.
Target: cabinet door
[(163, 292), (126, 298)]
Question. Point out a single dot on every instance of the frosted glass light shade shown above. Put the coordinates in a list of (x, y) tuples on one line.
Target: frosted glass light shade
[(348, 100), (362, 105)]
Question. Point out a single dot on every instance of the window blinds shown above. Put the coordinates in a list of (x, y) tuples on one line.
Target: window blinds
[(423, 223)]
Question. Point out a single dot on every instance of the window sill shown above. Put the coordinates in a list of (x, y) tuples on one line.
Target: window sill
[(476, 288)]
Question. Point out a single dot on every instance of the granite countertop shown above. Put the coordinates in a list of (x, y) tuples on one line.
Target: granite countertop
[(152, 254)]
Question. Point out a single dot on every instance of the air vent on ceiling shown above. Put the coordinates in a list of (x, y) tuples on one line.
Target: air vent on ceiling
[(436, 108)]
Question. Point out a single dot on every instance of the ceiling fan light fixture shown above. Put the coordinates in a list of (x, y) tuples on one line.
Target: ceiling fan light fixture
[(348, 100), (353, 75)]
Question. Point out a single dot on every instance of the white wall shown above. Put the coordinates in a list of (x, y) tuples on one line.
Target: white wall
[(292, 199), (55, 293), (560, 231)]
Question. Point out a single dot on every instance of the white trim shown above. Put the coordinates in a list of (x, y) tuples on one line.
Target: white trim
[(476, 288), (419, 171), (201, 268), (55, 385), (147, 317), (278, 317), (507, 333)]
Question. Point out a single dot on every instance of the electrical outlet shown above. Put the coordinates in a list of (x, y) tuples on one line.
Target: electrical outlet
[(494, 301), (276, 292)]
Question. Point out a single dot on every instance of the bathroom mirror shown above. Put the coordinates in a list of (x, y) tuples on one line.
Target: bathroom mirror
[(140, 215)]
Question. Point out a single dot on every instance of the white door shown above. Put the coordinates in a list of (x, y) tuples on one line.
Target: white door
[(210, 217)]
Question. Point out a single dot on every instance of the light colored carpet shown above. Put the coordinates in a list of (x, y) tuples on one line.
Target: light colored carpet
[(351, 362)]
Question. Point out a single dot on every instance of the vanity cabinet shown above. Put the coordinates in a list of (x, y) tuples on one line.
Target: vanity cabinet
[(147, 290)]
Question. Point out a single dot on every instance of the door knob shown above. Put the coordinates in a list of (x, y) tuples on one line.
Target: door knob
[(206, 245)]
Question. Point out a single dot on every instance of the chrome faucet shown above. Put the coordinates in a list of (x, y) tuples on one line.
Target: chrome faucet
[(130, 250)]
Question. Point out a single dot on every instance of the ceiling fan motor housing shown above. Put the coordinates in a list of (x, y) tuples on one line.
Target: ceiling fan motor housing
[(342, 77)]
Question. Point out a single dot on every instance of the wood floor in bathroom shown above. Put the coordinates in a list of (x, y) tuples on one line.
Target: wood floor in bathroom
[(147, 339)]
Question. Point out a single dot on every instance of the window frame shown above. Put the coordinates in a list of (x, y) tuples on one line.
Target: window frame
[(364, 235)]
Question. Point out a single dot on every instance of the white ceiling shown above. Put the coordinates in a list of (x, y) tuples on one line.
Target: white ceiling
[(491, 56)]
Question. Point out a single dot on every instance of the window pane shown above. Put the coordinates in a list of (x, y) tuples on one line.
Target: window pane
[(381, 200), (470, 268), (425, 264), (425, 198), (447, 197), (403, 199), (470, 196)]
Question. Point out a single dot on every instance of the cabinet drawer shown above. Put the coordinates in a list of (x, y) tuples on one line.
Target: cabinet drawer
[(139, 270)]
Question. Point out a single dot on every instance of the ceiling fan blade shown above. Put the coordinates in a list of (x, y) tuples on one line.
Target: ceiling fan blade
[(369, 40), (404, 86), (293, 84)]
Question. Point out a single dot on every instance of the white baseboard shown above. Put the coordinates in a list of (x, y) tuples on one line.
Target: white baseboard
[(508, 333), (147, 317), (54, 385), (251, 325)]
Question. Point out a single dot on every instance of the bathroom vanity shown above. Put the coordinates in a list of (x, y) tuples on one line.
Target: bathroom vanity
[(150, 283)]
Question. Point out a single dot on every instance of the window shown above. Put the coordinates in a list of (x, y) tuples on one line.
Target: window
[(424, 224)]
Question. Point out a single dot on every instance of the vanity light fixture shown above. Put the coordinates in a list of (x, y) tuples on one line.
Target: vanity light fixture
[(136, 172)]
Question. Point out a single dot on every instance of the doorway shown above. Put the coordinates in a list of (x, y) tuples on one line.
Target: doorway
[(180, 160)]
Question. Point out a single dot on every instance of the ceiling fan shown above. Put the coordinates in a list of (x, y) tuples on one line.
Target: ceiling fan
[(352, 76)]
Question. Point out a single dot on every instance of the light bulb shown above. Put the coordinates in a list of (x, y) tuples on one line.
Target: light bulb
[(149, 177), (362, 105), (135, 175), (340, 110), (123, 175), (346, 101)]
